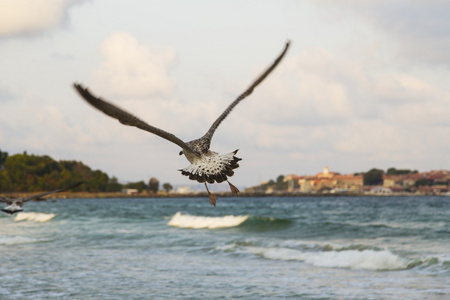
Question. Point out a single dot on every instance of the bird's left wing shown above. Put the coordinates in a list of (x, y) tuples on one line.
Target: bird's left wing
[(5, 199), (52, 192), (245, 94), (127, 118)]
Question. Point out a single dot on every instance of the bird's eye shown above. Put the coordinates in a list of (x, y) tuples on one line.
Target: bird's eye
[(181, 152)]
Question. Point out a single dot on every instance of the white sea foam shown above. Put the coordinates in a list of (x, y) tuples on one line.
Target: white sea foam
[(398, 225), (349, 259), (197, 222), (32, 216), (15, 240), (354, 259)]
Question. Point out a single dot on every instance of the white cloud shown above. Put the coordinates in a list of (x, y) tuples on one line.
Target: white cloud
[(313, 87), (31, 123), (133, 70), (19, 17), (5, 95), (355, 91), (420, 29), (322, 102)]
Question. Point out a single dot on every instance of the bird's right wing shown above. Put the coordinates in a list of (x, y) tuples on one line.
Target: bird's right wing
[(52, 192), (127, 118), (247, 93)]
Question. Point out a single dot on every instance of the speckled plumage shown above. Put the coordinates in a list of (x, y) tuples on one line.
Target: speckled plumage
[(206, 165), (212, 167)]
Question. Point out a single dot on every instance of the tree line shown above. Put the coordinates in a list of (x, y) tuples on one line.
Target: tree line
[(375, 176), (34, 173)]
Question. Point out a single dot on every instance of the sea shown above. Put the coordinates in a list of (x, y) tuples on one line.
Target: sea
[(245, 248)]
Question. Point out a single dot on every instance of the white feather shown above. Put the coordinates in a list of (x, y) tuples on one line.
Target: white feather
[(209, 164)]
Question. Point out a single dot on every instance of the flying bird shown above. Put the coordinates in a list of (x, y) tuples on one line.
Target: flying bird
[(206, 166), (15, 204)]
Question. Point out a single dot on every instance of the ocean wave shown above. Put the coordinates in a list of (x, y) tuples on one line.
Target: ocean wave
[(373, 256), (400, 225), (200, 222), (15, 240), (32, 216), (262, 224), (246, 222), (326, 246), (346, 257), (349, 259), (359, 247), (435, 264)]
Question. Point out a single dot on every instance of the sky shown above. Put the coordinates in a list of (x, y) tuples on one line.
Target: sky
[(365, 84)]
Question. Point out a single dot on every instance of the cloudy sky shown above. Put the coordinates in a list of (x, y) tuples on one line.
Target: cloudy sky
[(365, 83)]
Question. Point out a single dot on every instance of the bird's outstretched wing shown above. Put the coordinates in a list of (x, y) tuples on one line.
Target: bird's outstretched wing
[(245, 94), (127, 118), (52, 192), (5, 199)]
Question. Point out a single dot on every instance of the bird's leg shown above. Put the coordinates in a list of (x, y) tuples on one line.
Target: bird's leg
[(233, 189), (212, 197)]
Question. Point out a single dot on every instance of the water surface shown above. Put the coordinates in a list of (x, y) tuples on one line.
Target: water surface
[(250, 248)]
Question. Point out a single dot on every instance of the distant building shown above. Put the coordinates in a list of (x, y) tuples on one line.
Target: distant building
[(432, 182), (401, 181), (353, 183), (379, 190), (333, 181), (184, 190), (305, 185), (325, 181), (130, 191), (325, 173)]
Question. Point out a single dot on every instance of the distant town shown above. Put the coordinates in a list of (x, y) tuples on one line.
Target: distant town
[(373, 182)]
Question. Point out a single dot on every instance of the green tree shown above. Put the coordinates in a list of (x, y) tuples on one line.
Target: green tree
[(114, 185), (280, 179), (423, 182), (153, 185), (140, 186), (373, 177), (31, 173), (3, 157), (394, 171), (281, 185), (167, 187)]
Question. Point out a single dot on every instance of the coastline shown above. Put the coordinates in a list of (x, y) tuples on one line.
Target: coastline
[(106, 195)]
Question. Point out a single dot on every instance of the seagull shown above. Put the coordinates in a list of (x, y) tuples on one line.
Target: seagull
[(15, 205), (206, 166)]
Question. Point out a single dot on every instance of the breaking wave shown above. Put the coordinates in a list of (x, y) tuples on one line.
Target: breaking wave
[(32, 216), (247, 222), (350, 259), (197, 222), (15, 240), (356, 257)]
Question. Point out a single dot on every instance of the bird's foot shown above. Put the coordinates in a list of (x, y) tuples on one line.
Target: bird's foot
[(212, 197), (233, 189)]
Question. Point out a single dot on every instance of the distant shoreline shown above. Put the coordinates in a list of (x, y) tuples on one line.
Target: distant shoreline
[(106, 195)]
